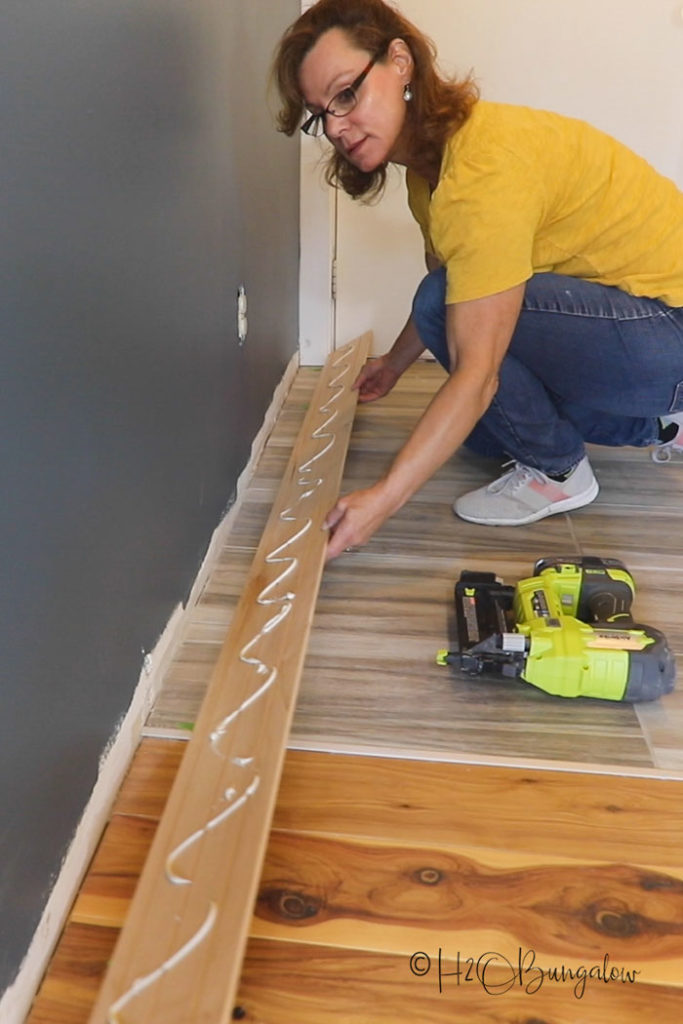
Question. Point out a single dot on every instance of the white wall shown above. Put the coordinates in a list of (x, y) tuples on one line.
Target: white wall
[(616, 63)]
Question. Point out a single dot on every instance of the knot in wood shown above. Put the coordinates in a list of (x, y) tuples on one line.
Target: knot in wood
[(295, 906), (428, 876), (614, 919)]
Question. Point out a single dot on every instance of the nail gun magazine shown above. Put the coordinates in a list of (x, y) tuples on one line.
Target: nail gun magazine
[(567, 629)]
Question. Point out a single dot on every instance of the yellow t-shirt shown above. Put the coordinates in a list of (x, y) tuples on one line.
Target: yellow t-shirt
[(524, 191)]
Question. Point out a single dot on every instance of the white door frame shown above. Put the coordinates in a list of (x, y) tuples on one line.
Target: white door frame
[(317, 225), (317, 247)]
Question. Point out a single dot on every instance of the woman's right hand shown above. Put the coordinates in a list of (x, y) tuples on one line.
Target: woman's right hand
[(376, 379)]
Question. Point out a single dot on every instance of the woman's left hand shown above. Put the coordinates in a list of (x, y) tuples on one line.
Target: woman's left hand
[(354, 519)]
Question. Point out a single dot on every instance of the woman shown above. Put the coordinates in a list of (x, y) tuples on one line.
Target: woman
[(555, 293)]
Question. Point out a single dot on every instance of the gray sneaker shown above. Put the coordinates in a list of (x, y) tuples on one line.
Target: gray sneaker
[(523, 495)]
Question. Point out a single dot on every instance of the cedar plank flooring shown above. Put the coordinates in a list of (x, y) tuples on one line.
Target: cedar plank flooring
[(374, 859), (420, 811)]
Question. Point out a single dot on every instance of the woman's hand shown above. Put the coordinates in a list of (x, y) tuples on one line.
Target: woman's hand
[(355, 518), (379, 375), (375, 380)]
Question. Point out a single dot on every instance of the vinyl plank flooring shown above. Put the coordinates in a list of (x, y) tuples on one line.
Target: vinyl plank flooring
[(662, 726), (251, 521), (370, 678), (648, 535), (188, 677), (631, 480)]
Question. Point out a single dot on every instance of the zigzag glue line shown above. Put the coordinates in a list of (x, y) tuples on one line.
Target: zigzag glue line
[(265, 598), (229, 795), (141, 984)]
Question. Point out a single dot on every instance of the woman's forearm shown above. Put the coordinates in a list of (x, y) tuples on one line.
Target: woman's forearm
[(479, 333), (447, 421), (445, 424)]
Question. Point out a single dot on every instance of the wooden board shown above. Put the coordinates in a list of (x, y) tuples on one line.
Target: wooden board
[(285, 982), (179, 955), (396, 898), (394, 857), (70, 988), (581, 814)]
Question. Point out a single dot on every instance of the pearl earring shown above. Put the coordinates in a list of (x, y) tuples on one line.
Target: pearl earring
[(407, 93)]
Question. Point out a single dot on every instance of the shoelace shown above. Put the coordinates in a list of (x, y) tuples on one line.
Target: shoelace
[(517, 477)]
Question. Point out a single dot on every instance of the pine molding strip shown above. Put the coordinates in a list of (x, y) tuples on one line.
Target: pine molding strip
[(179, 956)]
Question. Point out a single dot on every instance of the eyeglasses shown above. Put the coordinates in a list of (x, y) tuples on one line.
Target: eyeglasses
[(340, 105)]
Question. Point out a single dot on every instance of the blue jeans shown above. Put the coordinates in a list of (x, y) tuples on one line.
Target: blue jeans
[(586, 362)]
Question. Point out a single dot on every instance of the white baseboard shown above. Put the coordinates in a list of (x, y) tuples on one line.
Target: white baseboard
[(258, 444), (16, 1001)]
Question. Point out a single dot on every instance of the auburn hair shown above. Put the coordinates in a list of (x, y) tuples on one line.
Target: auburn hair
[(439, 105)]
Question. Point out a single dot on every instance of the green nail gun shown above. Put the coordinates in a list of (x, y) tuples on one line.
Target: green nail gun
[(567, 630)]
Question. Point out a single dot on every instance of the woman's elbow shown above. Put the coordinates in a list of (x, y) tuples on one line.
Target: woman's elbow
[(487, 390), (482, 385)]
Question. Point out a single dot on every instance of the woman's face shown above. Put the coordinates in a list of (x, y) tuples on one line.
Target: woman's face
[(370, 134)]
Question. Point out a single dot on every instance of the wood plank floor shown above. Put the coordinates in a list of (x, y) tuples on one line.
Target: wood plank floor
[(370, 680), (422, 813), (397, 891)]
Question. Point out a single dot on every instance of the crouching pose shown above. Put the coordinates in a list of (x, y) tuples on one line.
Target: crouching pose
[(555, 294)]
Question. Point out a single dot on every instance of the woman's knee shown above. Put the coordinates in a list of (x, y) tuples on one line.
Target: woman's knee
[(430, 298)]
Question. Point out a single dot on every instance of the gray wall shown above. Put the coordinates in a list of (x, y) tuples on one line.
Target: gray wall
[(141, 181)]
